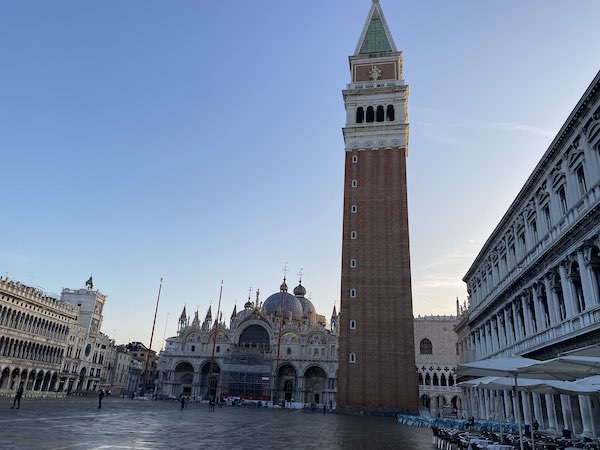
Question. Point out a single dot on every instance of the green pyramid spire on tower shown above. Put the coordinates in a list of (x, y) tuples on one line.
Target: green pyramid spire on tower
[(375, 37)]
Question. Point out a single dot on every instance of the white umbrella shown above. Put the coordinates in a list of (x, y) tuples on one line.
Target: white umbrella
[(499, 367), (567, 367), (562, 368), (590, 350)]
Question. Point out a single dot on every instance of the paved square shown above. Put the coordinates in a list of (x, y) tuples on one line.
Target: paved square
[(76, 423)]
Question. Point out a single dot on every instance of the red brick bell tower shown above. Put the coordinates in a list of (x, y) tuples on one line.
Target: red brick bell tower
[(377, 373)]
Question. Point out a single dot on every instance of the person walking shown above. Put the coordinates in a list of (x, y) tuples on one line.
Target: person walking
[(182, 401), (18, 395), (100, 397)]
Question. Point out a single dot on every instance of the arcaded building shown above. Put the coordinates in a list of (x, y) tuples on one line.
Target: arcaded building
[(436, 357), (34, 334), (534, 288), (277, 350), (377, 357)]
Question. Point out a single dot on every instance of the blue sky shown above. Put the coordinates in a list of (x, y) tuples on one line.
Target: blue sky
[(201, 141)]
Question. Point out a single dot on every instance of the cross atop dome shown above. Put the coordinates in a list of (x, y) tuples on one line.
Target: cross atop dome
[(375, 36)]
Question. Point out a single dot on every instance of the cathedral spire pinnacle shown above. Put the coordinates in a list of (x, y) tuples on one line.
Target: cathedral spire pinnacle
[(375, 36)]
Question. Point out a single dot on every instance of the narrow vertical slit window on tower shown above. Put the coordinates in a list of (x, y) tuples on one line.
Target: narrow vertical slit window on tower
[(354, 209), (360, 115), (354, 183), (390, 113), (370, 114), (353, 235), (352, 293), (352, 358), (353, 324), (354, 159), (353, 263)]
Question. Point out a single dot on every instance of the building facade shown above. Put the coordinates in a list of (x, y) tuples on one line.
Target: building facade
[(377, 358), (90, 353), (534, 288), (436, 355), (279, 350), (127, 371), (148, 357), (34, 333)]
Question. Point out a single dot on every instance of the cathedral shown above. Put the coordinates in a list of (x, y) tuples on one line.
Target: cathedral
[(279, 350)]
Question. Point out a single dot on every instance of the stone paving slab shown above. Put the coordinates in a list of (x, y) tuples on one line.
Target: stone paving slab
[(75, 423)]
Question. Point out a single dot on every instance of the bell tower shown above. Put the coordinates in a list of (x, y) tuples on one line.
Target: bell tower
[(377, 371)]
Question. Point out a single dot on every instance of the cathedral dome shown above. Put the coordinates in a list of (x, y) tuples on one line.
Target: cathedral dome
[(286, 302), (300, 291), (308, 309)]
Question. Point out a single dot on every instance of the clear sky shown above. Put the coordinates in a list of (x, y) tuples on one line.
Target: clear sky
[(201, 141)]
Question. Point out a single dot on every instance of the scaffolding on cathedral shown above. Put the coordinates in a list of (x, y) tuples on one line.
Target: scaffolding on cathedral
[(247, 375)]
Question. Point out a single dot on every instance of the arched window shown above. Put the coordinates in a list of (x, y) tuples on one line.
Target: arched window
[(379, 115), (353, 263), (370, 114), (421, 381), (360, 115), (435, 380), (390, 113), (426, 347), (443, 380), (352, 358), (289, 351)]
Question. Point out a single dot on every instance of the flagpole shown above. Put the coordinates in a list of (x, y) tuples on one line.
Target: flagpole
[(212, 359), (152, 336)]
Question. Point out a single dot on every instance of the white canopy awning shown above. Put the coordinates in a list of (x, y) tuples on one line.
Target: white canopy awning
[(533, 385)]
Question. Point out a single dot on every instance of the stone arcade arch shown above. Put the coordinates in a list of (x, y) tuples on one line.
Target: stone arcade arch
[(255, 336), (314, 385), (183, 378), (287, 380), (210, 382), (4, 378)]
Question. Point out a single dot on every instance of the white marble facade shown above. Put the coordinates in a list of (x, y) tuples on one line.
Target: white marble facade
[(258, 356), (534, 288)]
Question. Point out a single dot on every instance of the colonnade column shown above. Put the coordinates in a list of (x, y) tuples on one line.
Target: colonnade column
[(515, 322), (587, 282), (508, 407), (507, 332), (551, 412), (526, 407), (494, 329), (481, 412), (551, 289), (524, 299), (565, 403), (537, 411), (567, 291), (586, 419)]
